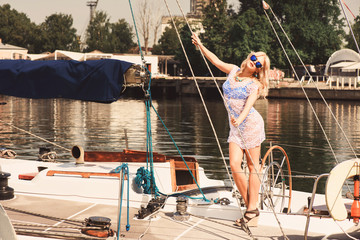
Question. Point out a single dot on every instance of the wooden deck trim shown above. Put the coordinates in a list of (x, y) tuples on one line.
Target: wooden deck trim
[(84, 174)]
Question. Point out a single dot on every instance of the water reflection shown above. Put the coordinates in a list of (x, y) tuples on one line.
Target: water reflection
[(95, 126)]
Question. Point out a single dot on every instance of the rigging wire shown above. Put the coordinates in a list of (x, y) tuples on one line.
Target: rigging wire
[(303, 89), (196, 83), (311, 106), (349, 25), (148, 104), (209, 118)]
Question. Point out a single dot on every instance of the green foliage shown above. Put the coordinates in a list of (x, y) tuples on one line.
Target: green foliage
[(168, 42), (121, 37), (216, 23), (107, 37), (249, 32), (349, 37), (98, 33), (193, 55), (17, 29), (314, 27), (58, 33)]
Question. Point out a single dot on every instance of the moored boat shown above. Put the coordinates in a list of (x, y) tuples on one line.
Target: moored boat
[(97, 181)]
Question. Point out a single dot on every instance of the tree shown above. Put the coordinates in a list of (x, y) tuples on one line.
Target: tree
[(314, 27), (249, 32), (98, 33), (193, 54), (109, 37), (168, 42), (349, 37), (216, 23), (149, 20), (121, 37), (17, 29), (59, 34)]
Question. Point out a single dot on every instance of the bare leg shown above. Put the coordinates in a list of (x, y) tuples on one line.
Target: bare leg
[(254, 181), (236, 155)]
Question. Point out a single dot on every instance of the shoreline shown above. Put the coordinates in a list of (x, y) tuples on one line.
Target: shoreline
[(286, 88)]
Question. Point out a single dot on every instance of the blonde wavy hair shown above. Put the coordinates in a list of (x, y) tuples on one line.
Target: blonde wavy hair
[(262, 74)]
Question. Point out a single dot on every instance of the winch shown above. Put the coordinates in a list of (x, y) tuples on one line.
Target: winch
[(98, 227), (6, 192)]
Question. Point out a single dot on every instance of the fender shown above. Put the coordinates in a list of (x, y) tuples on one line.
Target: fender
[(334, 183)]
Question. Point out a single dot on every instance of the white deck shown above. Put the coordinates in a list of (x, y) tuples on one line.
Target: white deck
[(79, 198)]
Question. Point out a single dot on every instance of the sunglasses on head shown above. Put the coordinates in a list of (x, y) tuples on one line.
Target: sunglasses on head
[(257, 63)]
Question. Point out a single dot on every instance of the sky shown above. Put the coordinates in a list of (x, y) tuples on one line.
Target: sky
[(38, 10)]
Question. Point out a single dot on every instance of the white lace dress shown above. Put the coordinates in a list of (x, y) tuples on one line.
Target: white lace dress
[(252, 128)]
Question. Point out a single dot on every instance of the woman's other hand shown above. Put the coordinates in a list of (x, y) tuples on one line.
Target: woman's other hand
[(235, 122)]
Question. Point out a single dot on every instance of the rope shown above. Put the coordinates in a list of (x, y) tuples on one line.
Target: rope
[(149, 149), (6, 153), (54, 234), (31, 134), (348, 235), (52, 226), (48, 157), (125, 171), (143, 180), (137, 34)]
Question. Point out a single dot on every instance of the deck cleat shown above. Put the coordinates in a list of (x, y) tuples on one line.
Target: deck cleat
[(154, 205)]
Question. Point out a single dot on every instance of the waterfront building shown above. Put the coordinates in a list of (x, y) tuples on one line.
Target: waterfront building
[(343, 69), (8, 51)]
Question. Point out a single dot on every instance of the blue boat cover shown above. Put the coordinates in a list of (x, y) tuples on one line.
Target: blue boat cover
[(95, 80)]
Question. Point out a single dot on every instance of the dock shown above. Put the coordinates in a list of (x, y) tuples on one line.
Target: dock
[(285, 88)]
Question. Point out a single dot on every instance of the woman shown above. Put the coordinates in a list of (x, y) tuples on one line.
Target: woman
[(242, 88)]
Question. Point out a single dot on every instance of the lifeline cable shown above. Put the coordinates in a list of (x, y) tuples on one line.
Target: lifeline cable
[(31, 134)]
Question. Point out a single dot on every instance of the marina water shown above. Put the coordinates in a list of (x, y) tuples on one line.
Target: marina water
[(289, 123)]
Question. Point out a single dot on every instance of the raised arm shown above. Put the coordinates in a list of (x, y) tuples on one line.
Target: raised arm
[(225, 67)]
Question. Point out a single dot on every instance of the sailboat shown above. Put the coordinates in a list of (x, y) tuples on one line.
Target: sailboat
[(135, 194)]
